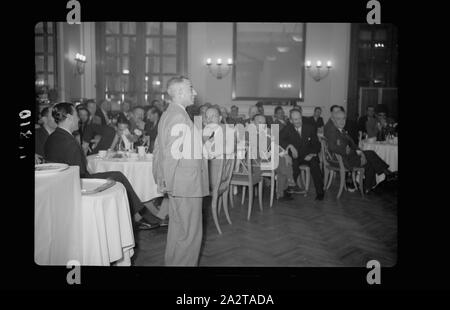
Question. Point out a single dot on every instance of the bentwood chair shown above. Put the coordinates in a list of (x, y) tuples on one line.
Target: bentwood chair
[(220, 173), (248, 174), (334, 164)]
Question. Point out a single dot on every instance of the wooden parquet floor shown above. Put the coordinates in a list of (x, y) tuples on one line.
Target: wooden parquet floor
[(298, 233)]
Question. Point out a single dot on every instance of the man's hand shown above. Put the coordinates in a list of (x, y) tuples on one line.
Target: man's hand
[(293, 151), (309, 156), (161, 186), (38, 159), (359, 152), (363, 159)]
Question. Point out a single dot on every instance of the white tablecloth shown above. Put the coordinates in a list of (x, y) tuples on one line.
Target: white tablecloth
[(387, 152), (138, 172), (57, 233), (107, 228)]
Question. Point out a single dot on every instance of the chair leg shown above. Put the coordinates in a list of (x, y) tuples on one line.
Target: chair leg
[(354, 178), (325, 178), (250, 201), (260, 185), (302, 173), (308, 180), (342, 182), (219, 205), (361, 182), (244, 188), (225, 205), (272, 188), (231, 193), (330, 178), (214, 212)]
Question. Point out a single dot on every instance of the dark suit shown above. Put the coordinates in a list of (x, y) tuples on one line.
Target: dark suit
[(61, 147), (41, 135), (307, 143), (337, 143)]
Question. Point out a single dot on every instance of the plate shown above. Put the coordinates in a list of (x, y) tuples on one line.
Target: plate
[(50, 168), (93, 186)]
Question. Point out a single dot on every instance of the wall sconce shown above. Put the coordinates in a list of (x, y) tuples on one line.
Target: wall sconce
[(317, 76), (80, 61), (218, 74)]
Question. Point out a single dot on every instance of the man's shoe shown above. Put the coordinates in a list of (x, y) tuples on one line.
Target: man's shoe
[(350, 186), (144, 225), (286, 194), (295, 190), (320, 196)]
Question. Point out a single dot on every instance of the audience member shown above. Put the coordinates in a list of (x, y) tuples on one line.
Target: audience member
[(48, 125), (301, 141)]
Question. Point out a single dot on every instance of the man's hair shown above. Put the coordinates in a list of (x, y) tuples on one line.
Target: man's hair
[(138, 107), (214, 107), (175, 80), (122, 120), (61, 110), (370, 107), (317, 108), (337, 106), (278, 108), (295, 110), (90, 101), (45, 111), (154, 101), (257, 115), (234, 107)]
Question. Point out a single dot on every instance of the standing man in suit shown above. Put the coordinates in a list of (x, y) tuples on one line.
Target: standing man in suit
[(341, 143), (301, 141), (183, 176)]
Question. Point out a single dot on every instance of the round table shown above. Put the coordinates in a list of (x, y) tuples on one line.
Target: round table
[(138, 172), (57, 217), (107, 227), (387, 152)]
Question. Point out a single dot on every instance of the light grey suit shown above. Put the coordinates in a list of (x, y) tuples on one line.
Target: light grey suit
[(186, 182)]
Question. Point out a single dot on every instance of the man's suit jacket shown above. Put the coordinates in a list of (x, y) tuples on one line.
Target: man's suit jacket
[(61, 147), (308, 143), (183, 177), (41, 136), (337, 143)]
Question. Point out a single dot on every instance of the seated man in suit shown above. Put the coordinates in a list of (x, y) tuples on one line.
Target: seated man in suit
[(341, 143), (362, 122), (48, 125), (61, 147), (269, 119), (95, 116), (284, 169), (301, 141), (252, 111)]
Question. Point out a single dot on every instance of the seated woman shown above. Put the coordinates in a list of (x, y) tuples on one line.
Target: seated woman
[(61, 147), (124, 138)]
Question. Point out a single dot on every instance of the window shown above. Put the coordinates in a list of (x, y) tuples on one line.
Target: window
[(45, 55), (136, 59)]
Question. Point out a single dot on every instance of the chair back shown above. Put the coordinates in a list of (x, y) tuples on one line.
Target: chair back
[(248, 167), (221, 171), (329, 159)]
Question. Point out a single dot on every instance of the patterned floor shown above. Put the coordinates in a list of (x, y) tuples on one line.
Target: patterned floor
[(300, 233)]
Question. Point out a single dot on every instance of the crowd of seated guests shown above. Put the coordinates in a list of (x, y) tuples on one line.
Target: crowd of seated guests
[(376, 123)]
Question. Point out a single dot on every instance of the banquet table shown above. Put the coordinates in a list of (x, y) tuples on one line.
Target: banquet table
[(138, 172), (107, 228), (387, 152), (57, 233)]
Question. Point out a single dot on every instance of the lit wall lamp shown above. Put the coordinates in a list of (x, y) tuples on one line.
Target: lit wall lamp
[(219, 73), (317, 75), (80, 61)]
